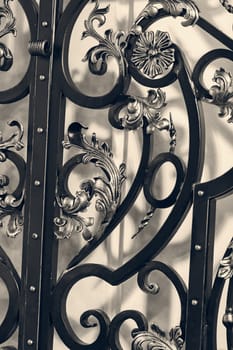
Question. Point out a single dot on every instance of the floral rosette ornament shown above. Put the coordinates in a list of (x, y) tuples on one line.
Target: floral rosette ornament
[(153, 54)]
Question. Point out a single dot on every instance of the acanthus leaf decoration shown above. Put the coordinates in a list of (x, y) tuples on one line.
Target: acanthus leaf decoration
[(131, 113), (157, 339), (112, 44), (100, 194), (7, 25), (185, 8), (225, 270), (226, 5), (222, 93), (153, 54), (11, 204)]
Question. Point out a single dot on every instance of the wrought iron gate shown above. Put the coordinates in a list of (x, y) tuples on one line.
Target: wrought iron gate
[(43, 206)]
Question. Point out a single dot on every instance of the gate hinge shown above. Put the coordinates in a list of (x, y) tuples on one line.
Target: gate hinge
[(39, 48)]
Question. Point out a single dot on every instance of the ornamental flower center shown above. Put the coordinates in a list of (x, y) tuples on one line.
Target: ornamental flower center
[(153, 53)]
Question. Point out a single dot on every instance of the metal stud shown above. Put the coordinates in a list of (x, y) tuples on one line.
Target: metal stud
[(37, 183), (35, 236), (44, 24), (40, 130), (194, 302), (30, 342), (200, 193), (198, 247), (42, 77), (32, 289)]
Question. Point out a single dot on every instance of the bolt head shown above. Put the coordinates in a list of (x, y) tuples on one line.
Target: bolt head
[(29, 342), (44, 24), (32, 289), (200, 193), (40, 130)]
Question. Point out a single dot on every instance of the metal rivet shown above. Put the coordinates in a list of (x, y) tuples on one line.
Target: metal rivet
[(197, 247), (200, 193), (194, 302), (44, 24), (32, 289), (30, 342), (40, 130), (37, 183), (42, 77), (35, 236)]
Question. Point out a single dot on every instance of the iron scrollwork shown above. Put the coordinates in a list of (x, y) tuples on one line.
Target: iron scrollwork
[(186, 8), (7, 26), (222, 93), (225, 270), (157, 339), (11, 204), (110, 45), (103, 191)]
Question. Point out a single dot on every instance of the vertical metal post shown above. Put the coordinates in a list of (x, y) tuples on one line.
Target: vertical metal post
[(201, 267), (39, 248)]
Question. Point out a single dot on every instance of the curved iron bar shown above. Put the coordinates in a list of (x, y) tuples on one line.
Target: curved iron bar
[(21, 89), (153, 169), (111, 337), (213, 308), (118, 320), (153, 288), (184, 199), (59, 312), (12, 282), (228, 317), (219, 94)]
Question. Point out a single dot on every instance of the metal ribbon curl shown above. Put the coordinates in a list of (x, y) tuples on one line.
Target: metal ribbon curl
[(11, 204)]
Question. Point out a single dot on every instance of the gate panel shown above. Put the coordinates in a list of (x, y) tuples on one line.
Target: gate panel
[(115, 158)]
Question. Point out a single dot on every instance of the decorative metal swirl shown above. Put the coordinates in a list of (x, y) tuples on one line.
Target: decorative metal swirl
[(153, 288), (226, 5), (7, 25), (224, 273), (226, 264), (105, 192), (7, 20), (130, 111), (12, 282), (110, 45), (158, 340), (185, 8), (11, 204), (108, 330), (222, 93)]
